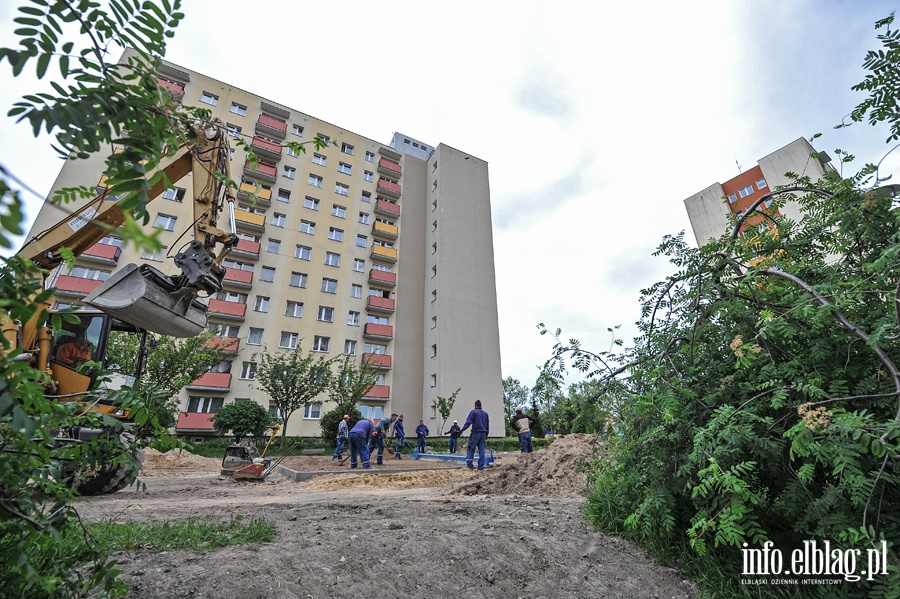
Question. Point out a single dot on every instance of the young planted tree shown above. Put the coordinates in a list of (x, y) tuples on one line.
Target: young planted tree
[(444, 405), (292, 379), (347, 386)]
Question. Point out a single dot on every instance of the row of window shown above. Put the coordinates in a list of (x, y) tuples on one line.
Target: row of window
[(747, 191)]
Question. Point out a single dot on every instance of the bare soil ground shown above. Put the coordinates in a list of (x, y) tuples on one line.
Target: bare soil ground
[(514, 530)]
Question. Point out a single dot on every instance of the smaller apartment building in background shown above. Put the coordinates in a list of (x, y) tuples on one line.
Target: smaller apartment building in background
[(380, 251), (708, 210)]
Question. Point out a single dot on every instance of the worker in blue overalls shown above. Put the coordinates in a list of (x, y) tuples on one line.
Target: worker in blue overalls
[(359, 442), (400, 434), (382, 429)]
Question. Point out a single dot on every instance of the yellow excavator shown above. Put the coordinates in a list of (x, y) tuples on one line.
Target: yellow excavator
[(136, 298)]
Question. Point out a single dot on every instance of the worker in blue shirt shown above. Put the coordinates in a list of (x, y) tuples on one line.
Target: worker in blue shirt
[(480, 423), (421, 435), (359, 441), (400, 434), (454, 433), (379, 435)]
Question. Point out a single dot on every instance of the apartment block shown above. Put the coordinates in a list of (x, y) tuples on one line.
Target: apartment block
[(379, 251)]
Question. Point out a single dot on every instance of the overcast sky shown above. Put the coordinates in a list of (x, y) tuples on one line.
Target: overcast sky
[(597, 120)]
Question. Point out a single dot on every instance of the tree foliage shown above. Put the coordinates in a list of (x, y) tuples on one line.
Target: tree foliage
[(242, 419), (444, 405), (346, 387)]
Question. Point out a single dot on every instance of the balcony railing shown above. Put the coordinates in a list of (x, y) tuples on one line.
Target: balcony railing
[(75, 286), (175, 90), (381, 277), (228, 345), (263, 196), (380, 361), (250, 220), (227, 310), (378, 331), (389, 168), (194, 422), (212, 381), (385, 230), (264, 147), (268, 125), (386, 208), (238, 278), (388, 187), (383, 253), (264, 170), (380, 304), (246, 249), (378, 392), (102, 253)]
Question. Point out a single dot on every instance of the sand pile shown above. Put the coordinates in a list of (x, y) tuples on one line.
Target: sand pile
[(177, 463), (388, 482)]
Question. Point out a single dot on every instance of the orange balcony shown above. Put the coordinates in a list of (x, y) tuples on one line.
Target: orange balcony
[(238, 278), (380, 361), (382, 278), (386, 208), (380, 304), (255, 222), (246, 249), (194, 422), (227, 345), (378, 331), (385, 230), (269, 125), (378, 392), (388, 187), (74, 286), (383, 253), (389, 168), (212, 381), (264, 147), (102, 253), (264, 170), (227, 310), (248, 188)]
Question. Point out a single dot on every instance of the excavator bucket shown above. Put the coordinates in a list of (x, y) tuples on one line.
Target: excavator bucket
[(145, 297)]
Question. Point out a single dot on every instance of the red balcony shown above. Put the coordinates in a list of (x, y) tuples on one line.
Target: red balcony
[(264, 147), (378, 331), (69, 285), (383, 278), (380, 304), (269, 125), (194, 422), (378, 392), (102, 253), (172, 88), (246, 249), (238, 278), (227, 310), (381, 361), (228, 345), (264, 170), (388, 187), (212, 381), (389, 168), (386, 208)]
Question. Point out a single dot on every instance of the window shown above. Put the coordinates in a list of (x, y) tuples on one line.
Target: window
[(311, 203), (297, 130), (356, 291), (294, 309), (434, 322), (382, 267), (238, 109), (345, 168), (362, 241), (307, 227), (238, 265), (433, 271), (255, 337), (366, 197), (267, 274), (323, 136), (224, 330), (350, 347), (353, 318), (248, 371), (338, 211), (303, 252), (176, 194), (434, 185), (233, 130), (347, 149), (336, 234), (341, 189), (290, 172), (434, 166), (298, 279), (434, 380), (434, 226), (745, 191), (283, 196), (329, 285), (367, 176), (164, 221), (370, 157), (319, 159), (359, 265), (205, 405), (208, 98), (321, 343), (288, 340), (434, 350), (326, 314), (232, 297), (278, 219), (315, 180), (761, 184), (434, 295), (373, 319), (262, 304), (434, 248), (251, 209), (364, 218), (273, 245), (375, 348), (156, 256), (111, 241), (332, 259), (292, 151), (312, 411), (434, 205)]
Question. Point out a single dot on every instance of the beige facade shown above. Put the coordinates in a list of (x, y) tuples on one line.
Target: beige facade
[(361, 248)]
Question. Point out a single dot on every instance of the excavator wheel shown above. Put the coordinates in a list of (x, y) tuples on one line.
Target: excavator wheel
[(112, 477)]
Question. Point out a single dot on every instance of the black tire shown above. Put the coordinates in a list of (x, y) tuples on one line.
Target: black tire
[(113, 477)]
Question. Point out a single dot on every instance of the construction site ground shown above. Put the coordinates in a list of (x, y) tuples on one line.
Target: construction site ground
[(433, 530)]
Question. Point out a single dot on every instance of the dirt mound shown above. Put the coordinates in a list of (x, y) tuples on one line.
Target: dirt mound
[(388, 482), (552, 472), (177, 463), (326, 464)]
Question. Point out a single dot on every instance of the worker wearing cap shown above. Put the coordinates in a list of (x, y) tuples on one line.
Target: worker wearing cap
[(454, 433), (480, 423), (522, 423), (342, 437), (382, 429), (400, 434), (359, 442), (421, 436)]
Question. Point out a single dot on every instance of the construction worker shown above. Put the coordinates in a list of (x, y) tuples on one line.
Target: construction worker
[(382, 429), (522, 422), (454, 433), (343, 435), (75, 352), (359, 441), (421, 436), (480, 423), (400, 434)]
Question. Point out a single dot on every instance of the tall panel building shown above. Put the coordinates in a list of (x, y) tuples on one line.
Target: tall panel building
[(380, 251)]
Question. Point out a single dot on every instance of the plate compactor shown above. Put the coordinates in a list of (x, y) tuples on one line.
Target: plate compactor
[(242, 462)]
